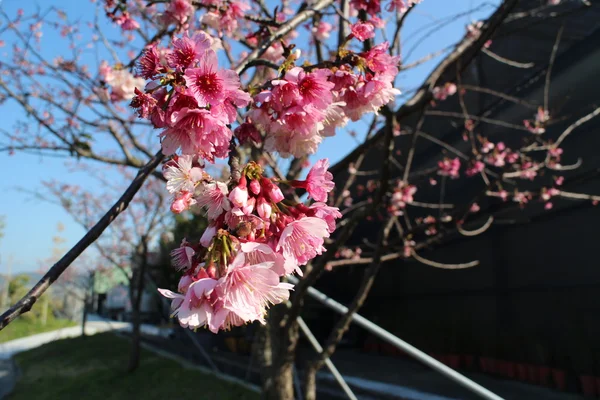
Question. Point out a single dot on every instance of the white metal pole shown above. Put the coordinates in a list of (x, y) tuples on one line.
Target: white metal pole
[(334, 371), (401, 344)]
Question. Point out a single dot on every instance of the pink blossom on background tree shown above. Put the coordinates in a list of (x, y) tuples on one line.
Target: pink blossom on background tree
[(234, 100)]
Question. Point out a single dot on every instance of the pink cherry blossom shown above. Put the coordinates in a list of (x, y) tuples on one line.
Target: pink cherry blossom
[(209, 85), (182, 202), (181, 175), (362, 31), (449, 167), (187, 51), (149, 65), (180, 10), (213, 196), (182, 256), (314, 87), (257, 253), (318, 182), (326, 213), (322, 30), (193, 310), (247, 290), (475, 168), (302, 240), (208, 235)]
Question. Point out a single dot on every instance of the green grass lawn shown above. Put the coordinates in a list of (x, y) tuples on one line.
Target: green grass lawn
[(94, 368), (22, 327)]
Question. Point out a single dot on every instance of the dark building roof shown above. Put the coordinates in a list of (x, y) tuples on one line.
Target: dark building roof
[(534, 297)]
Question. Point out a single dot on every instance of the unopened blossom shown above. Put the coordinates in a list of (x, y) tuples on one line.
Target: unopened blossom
[(239, 195), (264, 208), (182, 202), (442, 93), (271, 190)]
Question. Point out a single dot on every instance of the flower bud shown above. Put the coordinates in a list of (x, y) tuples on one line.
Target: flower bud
[(263, 208), (255, 187)]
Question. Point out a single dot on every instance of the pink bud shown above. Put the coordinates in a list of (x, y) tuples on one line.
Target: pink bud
[(255, 187), (272, 190), (249, 207), (239, 196), (264, 208), (181, 203)]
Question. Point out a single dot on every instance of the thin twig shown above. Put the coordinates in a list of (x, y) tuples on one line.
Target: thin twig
[(25, 304), (443, 265), (550, 65)]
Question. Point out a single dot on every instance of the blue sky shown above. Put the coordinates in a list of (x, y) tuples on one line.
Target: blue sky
[(31, 224)]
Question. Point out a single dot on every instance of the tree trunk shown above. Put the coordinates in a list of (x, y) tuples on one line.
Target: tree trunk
[(84, 313), (135, 294), (283, 383), (262, 350), (278, 383), (310, 383)]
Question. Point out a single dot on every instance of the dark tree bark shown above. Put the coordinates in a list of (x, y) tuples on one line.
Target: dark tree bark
[(277, 359), (84, 314), (86, 303)]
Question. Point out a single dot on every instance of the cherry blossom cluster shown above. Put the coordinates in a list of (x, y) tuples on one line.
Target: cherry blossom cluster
[(120, 81), (403, 194), (538, 125), (373, 7), (254, 237), (449, 167), (443, 92), (116, 10), (190, 97), (298, 109)]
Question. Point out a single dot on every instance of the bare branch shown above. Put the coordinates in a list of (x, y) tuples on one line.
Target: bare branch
[(478, 231), (442, 265), (25, 304)]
